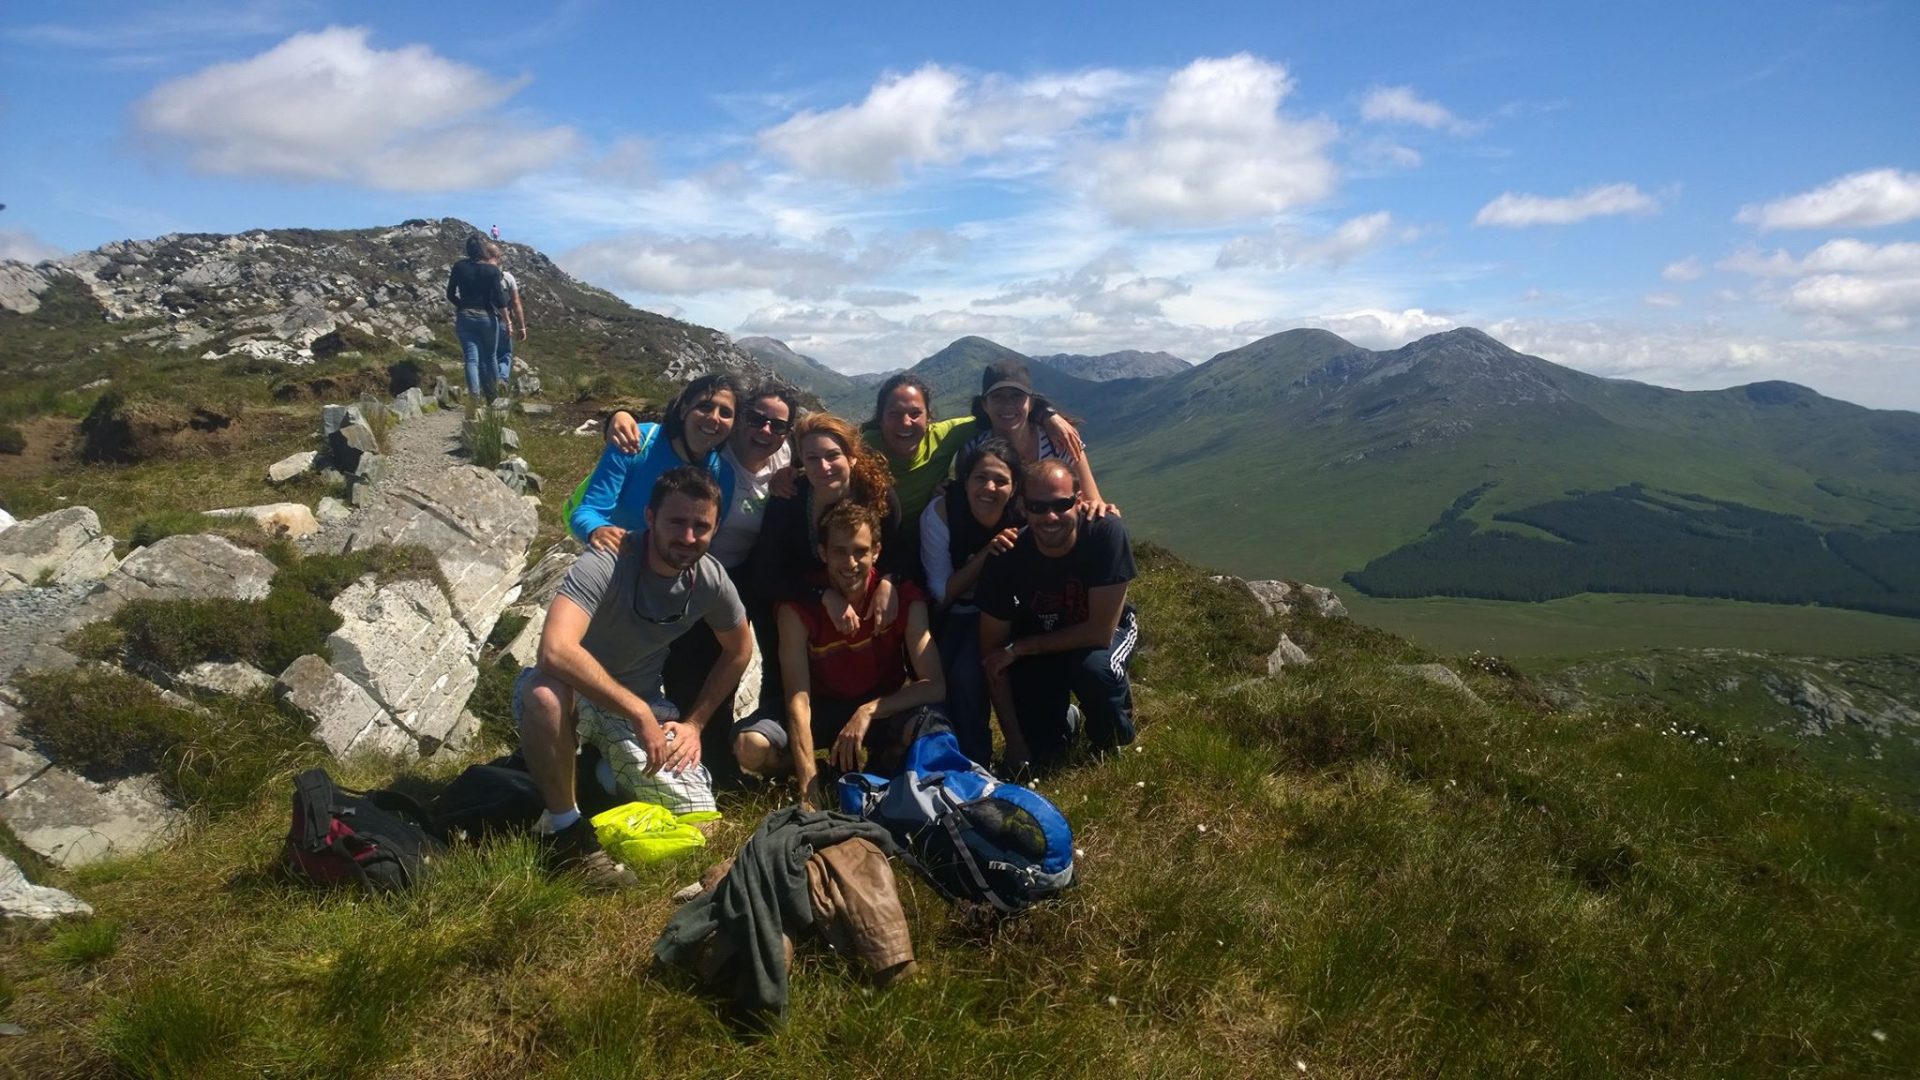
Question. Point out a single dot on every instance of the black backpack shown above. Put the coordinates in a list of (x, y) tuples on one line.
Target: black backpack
[(381, 840)]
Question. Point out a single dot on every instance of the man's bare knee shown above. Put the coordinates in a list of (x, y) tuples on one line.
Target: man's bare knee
[(757, 754)]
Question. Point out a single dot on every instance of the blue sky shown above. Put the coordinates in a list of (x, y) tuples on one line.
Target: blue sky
[(1695, 195)]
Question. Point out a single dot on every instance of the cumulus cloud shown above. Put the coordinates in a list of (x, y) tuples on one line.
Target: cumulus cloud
[(19, 245), (1661, 300), (1520, 211), (1687, 269), (1874, 197), (1843, 284), (1284, 247), (880, 297), (930, 116), (1214, 148), (787, 321), (1401, 105), (691, 265), (328, 106), (1093, 289)]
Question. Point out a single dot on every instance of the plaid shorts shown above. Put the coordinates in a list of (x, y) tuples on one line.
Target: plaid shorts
[(682, 792)]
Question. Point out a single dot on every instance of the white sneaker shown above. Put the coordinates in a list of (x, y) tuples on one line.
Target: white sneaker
[(1073, 719)]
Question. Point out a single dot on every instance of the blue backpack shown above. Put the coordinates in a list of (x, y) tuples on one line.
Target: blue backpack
[(970, 835)]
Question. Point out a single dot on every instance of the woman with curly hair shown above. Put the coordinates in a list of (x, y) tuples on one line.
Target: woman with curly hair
[(834, 465)]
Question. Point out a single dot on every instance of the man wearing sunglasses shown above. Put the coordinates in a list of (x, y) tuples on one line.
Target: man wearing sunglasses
[(604, 651), (1055, 624)]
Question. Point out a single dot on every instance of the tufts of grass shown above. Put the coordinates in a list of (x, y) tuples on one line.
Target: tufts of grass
[(213, 756), (174, 1029), (269, 633), (483, 433), (82, 943), (152, 528)]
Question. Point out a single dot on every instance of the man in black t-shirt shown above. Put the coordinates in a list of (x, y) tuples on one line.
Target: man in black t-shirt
[(1055, 623)]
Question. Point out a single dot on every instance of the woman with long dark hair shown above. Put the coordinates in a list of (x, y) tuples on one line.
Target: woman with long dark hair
[(613, 498), (977, 519)]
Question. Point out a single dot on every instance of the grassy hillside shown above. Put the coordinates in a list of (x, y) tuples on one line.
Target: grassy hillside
[(1342, 871)]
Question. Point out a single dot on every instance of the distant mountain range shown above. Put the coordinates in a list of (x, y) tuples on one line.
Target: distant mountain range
[(1125, 364)]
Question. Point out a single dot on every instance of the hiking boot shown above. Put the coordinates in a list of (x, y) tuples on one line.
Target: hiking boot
[(576, 850)]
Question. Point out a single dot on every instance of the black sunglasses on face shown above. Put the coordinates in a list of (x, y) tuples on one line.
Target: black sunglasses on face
[(1050, 506), (756, 418)]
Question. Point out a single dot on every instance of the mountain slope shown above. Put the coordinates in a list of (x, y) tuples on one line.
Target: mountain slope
[(802, 371), (1125, 364)]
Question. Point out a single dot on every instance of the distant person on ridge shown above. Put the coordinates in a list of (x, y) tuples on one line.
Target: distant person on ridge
[(604, 653), (1055, 624), (860, 695), (478, 295)]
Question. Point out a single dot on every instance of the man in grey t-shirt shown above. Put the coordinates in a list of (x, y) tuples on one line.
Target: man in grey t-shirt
[(604, 648)]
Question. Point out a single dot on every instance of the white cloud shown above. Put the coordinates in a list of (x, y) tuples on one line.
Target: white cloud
[(803, 320), (1687, 269), (880, 297), (692, 265), (1661, 300), (1376, 328), (1520, 211), (1091, 289), (1854, 301), (1388, 155), (1401, 105), (627, 163), (1523, 210), (1283, 247), (1214, 148), (933, 116), (327, 106), (1845, 256), (1874, 197), (19, 245)]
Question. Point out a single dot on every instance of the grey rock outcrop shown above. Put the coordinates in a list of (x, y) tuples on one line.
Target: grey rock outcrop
[(403, 645), (292, 465), (191, 567), (24, 903), (1442, 676), (348, 443), (20, 288), (541, 583), (1286, 654), (1280, 597), (58, 548), (346, 718), (477, 529), (518, 476), (71, 821), (215, 677)]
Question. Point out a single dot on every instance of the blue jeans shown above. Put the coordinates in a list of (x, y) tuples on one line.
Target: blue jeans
[(967, 706), (504, 354), (479, 338)]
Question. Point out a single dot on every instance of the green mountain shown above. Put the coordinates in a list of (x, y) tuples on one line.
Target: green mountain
[(1310, 456), (1125, 364), (800, 370)]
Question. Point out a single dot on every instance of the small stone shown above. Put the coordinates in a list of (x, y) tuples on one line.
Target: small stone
[(290, 519), (535, 408), (291, 466), (509, 439), (331, 510), (1113, 999)]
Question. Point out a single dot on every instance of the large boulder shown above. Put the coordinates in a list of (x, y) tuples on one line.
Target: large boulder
[(195, 566), (71, 821), (351, 442), (20, 287), (402, 644), (477, 529), (60, 548), (346, 718)]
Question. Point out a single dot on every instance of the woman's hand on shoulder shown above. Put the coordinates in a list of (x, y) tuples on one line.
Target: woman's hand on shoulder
[(623, 431), (1003, 541), (784, 482), (1099, 508), (1066, 437)]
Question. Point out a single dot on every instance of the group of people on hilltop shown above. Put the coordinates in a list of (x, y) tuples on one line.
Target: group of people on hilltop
[(487, 315), (914, 575)]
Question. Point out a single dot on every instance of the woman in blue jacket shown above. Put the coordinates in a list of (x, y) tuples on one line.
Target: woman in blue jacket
[(692, 432)]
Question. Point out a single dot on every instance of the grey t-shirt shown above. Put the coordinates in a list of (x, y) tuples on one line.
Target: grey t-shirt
[(618, 590)]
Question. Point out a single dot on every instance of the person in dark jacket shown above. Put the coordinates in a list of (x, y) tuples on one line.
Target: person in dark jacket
[(479, 295)]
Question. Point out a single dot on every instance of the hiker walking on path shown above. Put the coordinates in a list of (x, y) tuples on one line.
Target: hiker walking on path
[(1055, 624), (478, 295), (513, 318), (604, 652)]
